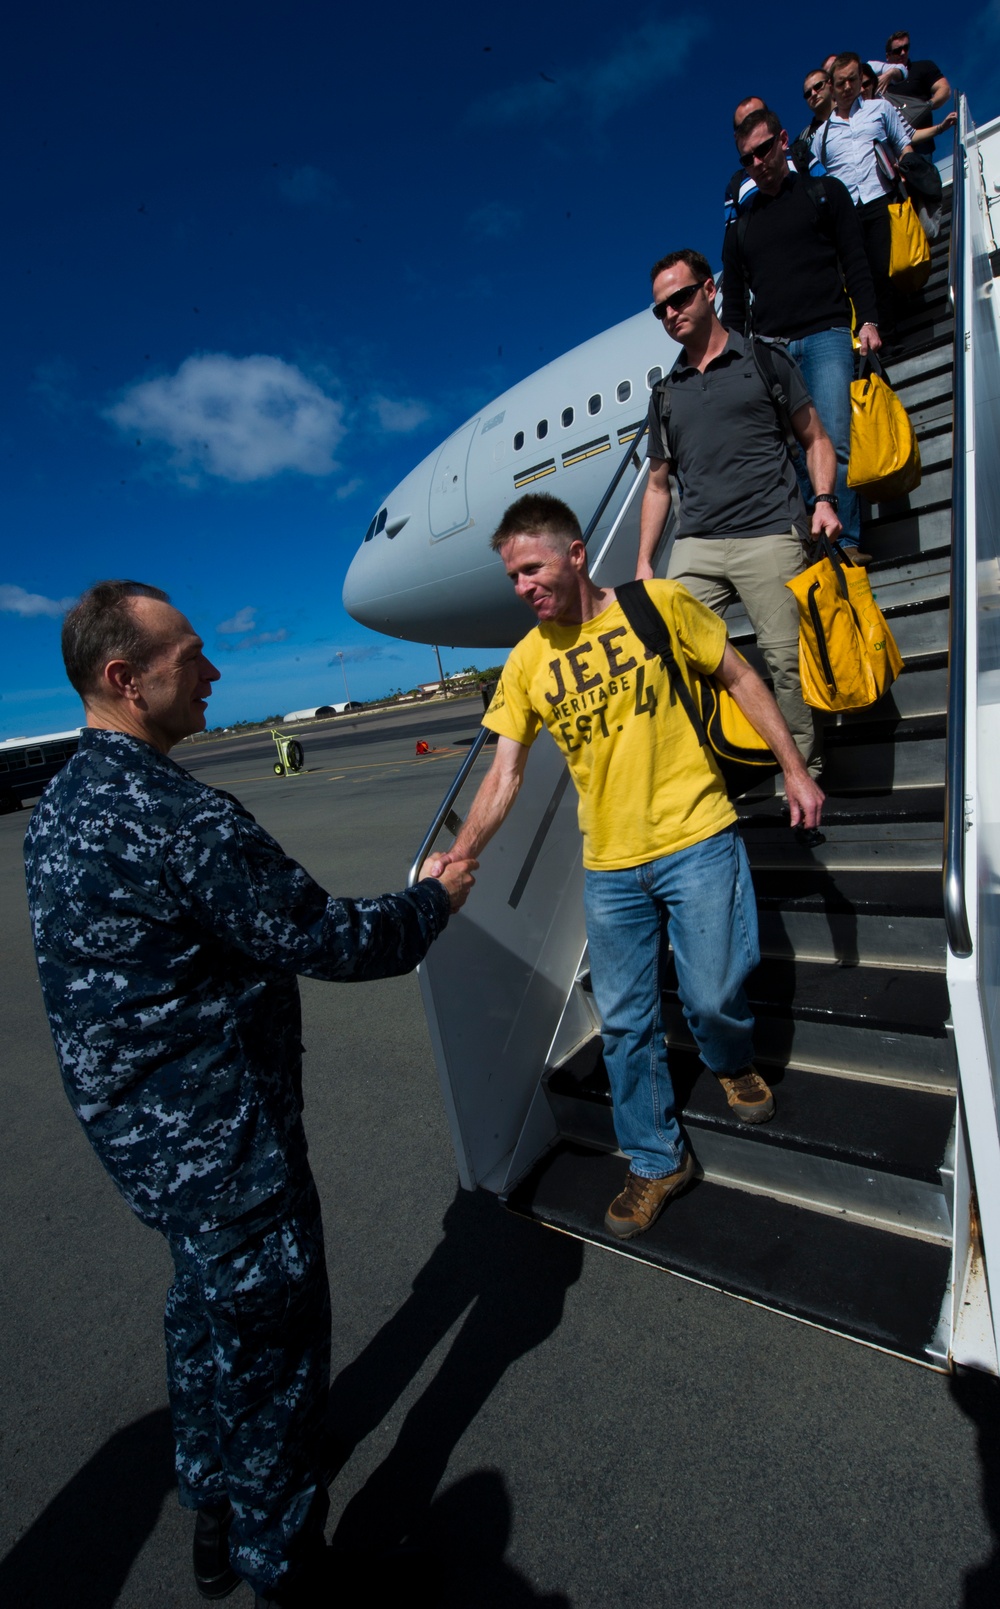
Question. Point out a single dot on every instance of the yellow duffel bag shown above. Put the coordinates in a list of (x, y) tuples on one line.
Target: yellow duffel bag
[(847, 655), (885, 456), (909, 251)]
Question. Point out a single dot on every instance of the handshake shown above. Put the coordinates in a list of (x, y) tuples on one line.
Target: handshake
[(455, 875)]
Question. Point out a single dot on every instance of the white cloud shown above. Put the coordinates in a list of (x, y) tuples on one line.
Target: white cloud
[(242, 620), (493, 222), (399, 414), (260, 638), (15, 601), (349, 488), (642, 61), (363, 655), (243, 419), (309, 187)]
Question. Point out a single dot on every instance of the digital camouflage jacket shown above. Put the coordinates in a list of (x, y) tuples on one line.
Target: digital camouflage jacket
[(169, 929)]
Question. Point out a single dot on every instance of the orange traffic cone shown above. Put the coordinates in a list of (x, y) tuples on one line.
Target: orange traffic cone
[(422, 747)]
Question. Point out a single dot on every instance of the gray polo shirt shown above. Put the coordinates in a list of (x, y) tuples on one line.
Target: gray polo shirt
[(724, 442)]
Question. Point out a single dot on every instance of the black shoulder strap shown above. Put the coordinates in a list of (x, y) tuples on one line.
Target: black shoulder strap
[(822, 147), (649, 626), (764, 359), (742, 225)]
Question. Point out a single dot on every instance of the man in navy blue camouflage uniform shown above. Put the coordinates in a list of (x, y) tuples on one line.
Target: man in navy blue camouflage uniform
[(169, 930)]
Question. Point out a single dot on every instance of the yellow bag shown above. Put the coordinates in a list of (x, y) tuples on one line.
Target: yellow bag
[(909, 252), (885, 454), (847, 655)]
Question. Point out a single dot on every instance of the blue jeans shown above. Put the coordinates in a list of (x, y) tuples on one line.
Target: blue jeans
[(827, 363), (702, 899)]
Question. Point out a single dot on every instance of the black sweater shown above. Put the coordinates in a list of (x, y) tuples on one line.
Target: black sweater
[(796, 255)]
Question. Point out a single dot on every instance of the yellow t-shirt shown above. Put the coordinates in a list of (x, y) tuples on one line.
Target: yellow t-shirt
[(647, 787)]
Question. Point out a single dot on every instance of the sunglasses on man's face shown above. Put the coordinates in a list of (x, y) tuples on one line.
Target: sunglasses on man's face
[(677, 302), (758, 153), (898, 50), (813, 89)]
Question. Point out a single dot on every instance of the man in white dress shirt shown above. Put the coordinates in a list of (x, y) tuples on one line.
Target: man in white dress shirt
[(846, 147)]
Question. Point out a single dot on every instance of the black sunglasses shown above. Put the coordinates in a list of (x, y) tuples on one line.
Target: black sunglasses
[(679, 300), (758, 153), (814, 89)]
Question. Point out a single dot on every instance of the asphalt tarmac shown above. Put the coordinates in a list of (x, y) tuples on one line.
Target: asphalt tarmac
[(568, 1427)]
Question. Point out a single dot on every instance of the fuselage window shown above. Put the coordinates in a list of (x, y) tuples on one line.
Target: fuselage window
[(624, 390), (542, 428), (383, 515), (594, 403), (518, 441), (371, 530), (652, 377), (567, 418)]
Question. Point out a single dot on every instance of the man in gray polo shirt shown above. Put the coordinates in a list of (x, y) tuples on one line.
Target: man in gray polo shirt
[(742, 519)]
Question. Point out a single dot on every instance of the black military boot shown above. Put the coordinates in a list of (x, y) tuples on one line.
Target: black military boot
[(214, 1576)]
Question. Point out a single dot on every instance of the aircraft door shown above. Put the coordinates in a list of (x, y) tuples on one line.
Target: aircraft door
[(448, 503)]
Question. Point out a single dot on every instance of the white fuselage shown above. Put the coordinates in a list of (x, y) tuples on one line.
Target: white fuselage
[(425, 570)]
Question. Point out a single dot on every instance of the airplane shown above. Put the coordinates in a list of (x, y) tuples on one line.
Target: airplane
[(424, 570)]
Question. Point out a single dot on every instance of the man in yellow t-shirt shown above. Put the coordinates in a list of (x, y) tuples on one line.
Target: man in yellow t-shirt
[(660, 850)]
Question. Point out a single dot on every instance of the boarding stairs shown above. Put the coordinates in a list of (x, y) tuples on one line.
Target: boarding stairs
[(853, 1209)]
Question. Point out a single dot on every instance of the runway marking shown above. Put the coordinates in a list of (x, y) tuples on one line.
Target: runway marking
[(368, 765)]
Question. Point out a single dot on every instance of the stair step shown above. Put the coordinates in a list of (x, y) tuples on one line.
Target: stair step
[(892, 1002), (879, 892), (903, 536), (880, 1288), (934, 491), (852, 847), (851, 940), (878, 768), (919, 805), (900, 1132), (922, 378), (857, 1022)]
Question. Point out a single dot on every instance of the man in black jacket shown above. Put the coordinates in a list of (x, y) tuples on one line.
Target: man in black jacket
[(793, 248)]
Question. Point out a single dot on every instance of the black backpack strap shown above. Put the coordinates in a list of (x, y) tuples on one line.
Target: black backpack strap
[(650, 627), (764, 359), (742, 225)]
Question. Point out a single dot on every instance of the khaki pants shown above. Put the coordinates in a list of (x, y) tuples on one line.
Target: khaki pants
[(755, 569)]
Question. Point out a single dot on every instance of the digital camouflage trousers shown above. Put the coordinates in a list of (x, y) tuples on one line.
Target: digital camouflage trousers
[(247, 1325)]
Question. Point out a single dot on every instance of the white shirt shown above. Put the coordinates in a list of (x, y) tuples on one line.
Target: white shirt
[(850, 148)]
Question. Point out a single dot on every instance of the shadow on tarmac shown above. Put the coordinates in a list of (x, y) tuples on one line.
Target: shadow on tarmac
[(978, 1396), (515, 1275), (81, 1548)]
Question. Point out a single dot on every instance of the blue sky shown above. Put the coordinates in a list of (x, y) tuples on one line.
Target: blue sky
[(261, 259)]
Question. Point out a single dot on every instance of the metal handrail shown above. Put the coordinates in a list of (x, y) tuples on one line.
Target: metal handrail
[(955, 913), (459, 781), (445, 806), (613, 484)]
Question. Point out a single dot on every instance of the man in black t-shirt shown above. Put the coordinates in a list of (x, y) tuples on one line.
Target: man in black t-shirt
[(794, 246), (713, 421), (923, 90)]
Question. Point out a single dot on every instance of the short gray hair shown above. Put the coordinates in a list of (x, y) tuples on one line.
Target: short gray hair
[(102, 627)]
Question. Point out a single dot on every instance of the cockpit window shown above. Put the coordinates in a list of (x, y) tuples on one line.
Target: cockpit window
[(653, 377), (518, 441), (624, 390), (371, 530), (567, 418), (542, 429), (595, 403), (380, 522)]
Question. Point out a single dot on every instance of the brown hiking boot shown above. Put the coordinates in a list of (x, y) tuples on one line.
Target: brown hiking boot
[(748, 1095), (642, 1200)]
